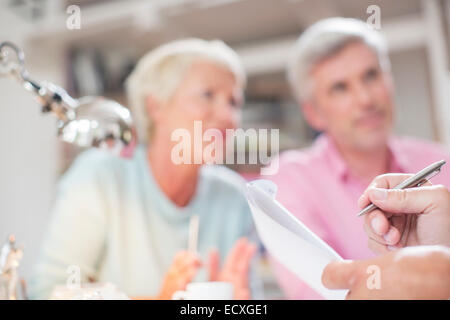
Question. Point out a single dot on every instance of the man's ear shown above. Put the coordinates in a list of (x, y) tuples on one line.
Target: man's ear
[(313, 115), (153, 108)]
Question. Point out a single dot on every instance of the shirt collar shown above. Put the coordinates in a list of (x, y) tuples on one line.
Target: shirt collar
[(326, 145), (157, 198)]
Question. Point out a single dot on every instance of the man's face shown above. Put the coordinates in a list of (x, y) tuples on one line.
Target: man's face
[(352, 98)]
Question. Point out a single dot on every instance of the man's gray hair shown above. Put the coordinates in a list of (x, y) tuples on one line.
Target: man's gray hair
[(160, 72), (324, 39)]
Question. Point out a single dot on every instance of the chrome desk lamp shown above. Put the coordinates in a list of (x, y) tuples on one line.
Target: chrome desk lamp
[(86, 122)]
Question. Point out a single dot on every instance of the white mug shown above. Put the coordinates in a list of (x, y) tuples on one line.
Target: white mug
[(213, 290)]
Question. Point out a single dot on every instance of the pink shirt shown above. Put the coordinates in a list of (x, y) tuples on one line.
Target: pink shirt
[(315, 184)]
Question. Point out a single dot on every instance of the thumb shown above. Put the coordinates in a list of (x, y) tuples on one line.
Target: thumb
[(408, 201), (339, 274), (214, 261)]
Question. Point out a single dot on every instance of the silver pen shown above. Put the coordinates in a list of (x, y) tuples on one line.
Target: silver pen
[(415, 181)]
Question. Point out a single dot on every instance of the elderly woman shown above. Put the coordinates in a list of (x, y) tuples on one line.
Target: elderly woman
[(126, 221)]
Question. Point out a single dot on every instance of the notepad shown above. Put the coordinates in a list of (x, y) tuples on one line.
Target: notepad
[(288, 240)]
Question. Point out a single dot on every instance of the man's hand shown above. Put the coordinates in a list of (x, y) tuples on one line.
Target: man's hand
[(182, 271), (421, 272), (235, 269), (409, 217)]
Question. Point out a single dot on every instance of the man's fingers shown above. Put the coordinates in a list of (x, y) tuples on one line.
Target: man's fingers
[(392, 237), (339, 274), (383, 231), (399, 224), (377, 223), (385, 181), (371, 234), (389, 180), (419, 200), (377, 247)]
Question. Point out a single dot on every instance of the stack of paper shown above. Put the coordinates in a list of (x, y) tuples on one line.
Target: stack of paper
[(288, 240)]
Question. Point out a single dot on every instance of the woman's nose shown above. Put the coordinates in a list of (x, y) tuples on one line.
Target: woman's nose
[(224, 111)]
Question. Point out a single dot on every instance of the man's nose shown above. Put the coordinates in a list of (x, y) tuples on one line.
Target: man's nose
[(362, 96)]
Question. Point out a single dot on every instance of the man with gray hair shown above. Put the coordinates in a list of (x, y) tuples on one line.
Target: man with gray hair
[(340, 74)]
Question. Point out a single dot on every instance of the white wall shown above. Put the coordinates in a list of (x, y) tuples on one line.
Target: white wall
[(28, 159), (439, 72), (412, 94)]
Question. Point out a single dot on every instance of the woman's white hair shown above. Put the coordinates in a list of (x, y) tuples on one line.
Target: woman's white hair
[(161, 70), (324, 39)]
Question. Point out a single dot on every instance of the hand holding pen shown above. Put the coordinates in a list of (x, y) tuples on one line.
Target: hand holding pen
[(405, 217)]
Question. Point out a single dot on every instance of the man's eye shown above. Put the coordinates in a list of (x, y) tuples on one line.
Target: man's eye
[(372, 74), (339, 87)]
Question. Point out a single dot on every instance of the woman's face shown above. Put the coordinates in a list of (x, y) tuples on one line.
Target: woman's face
[(207, 93)]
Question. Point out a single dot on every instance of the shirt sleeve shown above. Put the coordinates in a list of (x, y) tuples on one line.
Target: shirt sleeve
[(76, 234)]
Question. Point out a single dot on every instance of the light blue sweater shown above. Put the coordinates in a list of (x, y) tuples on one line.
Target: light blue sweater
[(111, 219)]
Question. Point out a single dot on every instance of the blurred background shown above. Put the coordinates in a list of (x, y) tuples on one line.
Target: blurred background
[(96, 58)]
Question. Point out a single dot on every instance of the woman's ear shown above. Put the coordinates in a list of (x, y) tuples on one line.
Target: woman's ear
[(313, 115), (153, 108)]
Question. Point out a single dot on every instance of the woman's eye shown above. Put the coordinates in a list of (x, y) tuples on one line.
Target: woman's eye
[(233, 102), (208, 94)]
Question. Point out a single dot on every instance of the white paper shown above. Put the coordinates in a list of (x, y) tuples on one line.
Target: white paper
[(288, 240)]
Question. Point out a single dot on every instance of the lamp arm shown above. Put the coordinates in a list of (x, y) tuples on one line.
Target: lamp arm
[(87, 122), (52, 98)]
